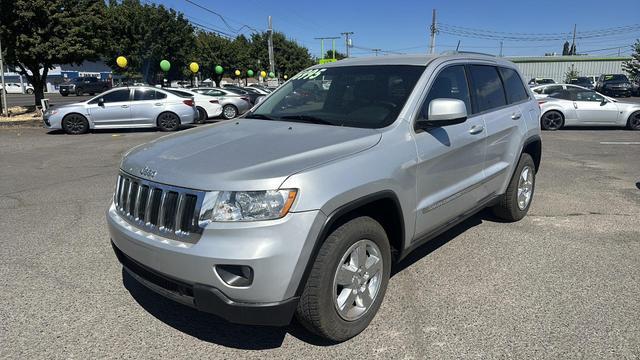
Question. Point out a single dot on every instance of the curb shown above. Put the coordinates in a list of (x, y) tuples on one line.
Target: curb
[(36, 123)]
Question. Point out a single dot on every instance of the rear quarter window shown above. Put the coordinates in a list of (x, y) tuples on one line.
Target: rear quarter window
[(487, 87)]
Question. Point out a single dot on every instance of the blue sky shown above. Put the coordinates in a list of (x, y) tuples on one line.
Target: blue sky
[(403, 26)]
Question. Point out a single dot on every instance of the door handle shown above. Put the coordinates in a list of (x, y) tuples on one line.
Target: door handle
[(476, 129), (124, 106), (516, 116), (157, 104), (575, 106)]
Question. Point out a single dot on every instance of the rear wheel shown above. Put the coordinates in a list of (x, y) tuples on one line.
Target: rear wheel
[(78, 92), (348, 280), (633, 123), (552, 120), (30, 91), (514, 204), (168, 121), (75, 124), (229, 112), (202, 115)]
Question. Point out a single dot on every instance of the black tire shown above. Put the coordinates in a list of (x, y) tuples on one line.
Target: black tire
[(633, 123), (78, 92), (29, 91), (552, 120), (317, 308), (75, 124), (229, 112), (92, 93), (64, 94), (202, 115), (508, 207), (168, 121)]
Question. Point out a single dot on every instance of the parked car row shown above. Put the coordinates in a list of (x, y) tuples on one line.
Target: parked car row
[(607, 84), (84, 85)]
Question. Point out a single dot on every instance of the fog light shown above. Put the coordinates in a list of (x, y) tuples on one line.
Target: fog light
[(235, 275)]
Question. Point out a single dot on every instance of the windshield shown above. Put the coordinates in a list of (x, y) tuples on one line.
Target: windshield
[(355, 96), (616, 77)]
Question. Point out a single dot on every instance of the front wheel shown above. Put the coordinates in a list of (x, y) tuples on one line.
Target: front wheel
[(229, 112), (348, 280), (514, 204), (633, 123), (29, 91), (168, 121), (75, 124), (552, 120)]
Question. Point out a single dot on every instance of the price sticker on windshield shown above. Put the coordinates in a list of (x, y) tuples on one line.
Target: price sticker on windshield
[(309, 74)]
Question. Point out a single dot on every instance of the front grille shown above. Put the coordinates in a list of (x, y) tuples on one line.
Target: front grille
[(164, 210)]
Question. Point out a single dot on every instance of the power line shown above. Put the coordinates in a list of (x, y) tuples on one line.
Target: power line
[(236, 31)]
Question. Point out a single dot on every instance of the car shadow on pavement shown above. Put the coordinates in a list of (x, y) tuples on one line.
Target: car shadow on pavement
[(121, 131), (213, 329)]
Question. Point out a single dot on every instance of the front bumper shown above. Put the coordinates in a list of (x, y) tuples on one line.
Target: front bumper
[(277, 251), (618, 91)]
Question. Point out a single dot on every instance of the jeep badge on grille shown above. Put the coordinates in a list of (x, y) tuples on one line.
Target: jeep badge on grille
[(148, 172)]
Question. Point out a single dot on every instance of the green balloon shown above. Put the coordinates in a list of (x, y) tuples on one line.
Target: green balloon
[(165, 65), (249, 73), (219, 69), (271, 74)]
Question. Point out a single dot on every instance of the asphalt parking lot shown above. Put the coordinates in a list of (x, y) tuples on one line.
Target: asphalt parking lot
[(562, 283)]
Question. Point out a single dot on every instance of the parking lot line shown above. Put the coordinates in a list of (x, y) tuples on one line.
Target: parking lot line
[(619, 142)]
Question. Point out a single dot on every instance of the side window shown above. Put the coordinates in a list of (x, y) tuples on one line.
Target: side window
[(551, 89), (215, 93), (147, 94), (451, 83), (116, 96), (588, 96), (487, 87), (562, 94), (513, 86)]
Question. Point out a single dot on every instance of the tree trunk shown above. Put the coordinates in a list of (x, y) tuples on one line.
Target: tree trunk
[(38, 81)]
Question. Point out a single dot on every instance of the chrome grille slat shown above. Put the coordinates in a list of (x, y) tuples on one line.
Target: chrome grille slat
[(165, 210)]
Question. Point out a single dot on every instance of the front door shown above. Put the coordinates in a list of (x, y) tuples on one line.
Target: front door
[(450, 169), (592, 107), (113, 111)]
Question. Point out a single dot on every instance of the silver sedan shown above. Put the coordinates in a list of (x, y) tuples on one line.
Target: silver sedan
[(582, 107), (232, 104), (128, 107)]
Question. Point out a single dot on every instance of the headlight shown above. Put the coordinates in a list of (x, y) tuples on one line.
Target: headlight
[(51, 112), (246, 205)]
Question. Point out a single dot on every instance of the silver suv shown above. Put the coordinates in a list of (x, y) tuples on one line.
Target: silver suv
[(302, 206)]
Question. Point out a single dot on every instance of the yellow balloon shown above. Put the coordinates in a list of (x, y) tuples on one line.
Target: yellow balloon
[(263, 74), (285, 77), (237, 73), (194, 67), (121, 61)]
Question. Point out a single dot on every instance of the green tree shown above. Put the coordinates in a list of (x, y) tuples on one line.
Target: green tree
[(38, 34), (633, 66), (571, 73), (339, 55), (146, 34)]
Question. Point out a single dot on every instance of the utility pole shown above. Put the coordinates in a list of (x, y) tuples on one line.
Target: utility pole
[(347, 41), (376, 51), (272, 65), (5, 106), (500, 48), (434, 30), (573, 43)]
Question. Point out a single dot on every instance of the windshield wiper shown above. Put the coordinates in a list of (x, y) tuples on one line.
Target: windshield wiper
[(258, 116), (307, 118)]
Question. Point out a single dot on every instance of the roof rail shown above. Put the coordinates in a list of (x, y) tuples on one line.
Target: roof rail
[(452, 52)]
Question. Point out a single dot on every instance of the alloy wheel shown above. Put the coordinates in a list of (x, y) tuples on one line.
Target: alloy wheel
[(357, 280), (75, 124), (634, 121), (229, 112), (168, 121), (552, 120), (525, 187)]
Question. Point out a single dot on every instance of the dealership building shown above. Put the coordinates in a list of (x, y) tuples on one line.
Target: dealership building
[(556, 67), (63, 73)]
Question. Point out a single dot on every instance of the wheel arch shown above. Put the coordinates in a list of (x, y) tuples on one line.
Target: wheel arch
[(533, 147), (378, 206), (164, 112)]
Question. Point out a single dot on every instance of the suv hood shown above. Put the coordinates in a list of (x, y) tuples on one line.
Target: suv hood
[(244, 154)]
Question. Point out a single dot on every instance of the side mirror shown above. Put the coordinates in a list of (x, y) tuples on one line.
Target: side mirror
[(443, 112), (259, 99), (100, 102)]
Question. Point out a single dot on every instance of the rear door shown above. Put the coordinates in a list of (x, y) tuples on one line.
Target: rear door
[(503, 117), (115, 111), (450, 169), (146, 105), (591, 108)]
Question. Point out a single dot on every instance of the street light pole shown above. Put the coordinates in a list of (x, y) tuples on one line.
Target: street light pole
[(5, 106)]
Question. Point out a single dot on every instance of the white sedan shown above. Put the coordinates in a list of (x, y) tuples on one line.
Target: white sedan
[(582, 107), (207, 107), (16, 88)]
